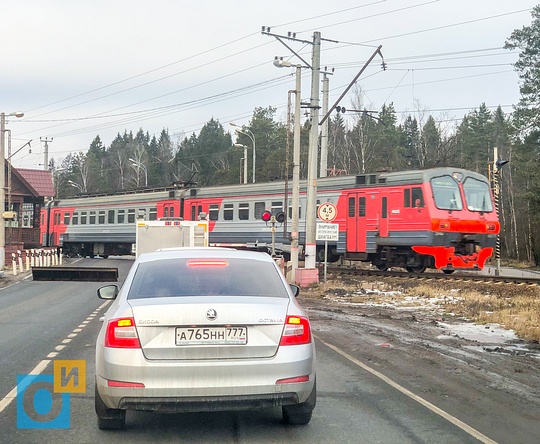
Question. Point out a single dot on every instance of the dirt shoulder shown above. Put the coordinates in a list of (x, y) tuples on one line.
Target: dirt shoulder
[(422, 338)]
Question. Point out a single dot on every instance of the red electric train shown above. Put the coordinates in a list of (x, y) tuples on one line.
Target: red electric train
[(440, 218)]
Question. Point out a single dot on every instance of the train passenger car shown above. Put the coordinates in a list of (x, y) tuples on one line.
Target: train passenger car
[(104, 224), (439, 218)]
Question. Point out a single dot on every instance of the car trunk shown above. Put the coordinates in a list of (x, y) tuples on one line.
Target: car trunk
[(209, 327)]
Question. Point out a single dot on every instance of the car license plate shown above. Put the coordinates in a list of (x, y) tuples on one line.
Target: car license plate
[(211, 335)]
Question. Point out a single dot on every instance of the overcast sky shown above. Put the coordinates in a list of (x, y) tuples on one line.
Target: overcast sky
[(79, 69)]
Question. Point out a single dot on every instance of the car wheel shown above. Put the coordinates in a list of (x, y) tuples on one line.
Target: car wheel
[(300, 414), (108, 419)]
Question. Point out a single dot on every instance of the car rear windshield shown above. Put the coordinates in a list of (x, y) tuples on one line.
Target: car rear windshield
[(203, 277)]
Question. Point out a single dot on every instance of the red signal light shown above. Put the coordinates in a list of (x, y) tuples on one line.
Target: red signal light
[(266, 216)]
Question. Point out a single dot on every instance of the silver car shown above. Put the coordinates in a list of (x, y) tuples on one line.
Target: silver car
[(204, 329)]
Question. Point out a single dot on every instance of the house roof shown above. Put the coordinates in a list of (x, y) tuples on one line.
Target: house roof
[(39, 180)]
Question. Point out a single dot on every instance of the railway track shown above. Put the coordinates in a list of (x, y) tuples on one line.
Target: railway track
[(432, 276)]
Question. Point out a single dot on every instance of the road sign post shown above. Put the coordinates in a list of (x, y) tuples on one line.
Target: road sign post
[(327, 232)]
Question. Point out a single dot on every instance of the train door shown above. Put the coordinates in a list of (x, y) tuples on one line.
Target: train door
[(383, 217), (195, 208), (356, 221)]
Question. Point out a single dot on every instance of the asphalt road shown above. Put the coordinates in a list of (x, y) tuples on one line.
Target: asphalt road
[(41, 322)]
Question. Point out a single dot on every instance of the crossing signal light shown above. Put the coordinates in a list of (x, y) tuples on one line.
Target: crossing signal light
[(341, 109), (280, 217), (266, 216)]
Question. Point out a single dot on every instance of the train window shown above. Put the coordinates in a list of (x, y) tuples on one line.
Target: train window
[(277, 207), (352, 209), (299, 212), (372, 179), (446, 193), (84, 217), (407, 198), (362, 206), (418, 197), (57, 218), (92, 218), (121, 216), (171, 212), (153, 214), (243, 211), (193, 212), (228, 211), (384, 209), (66, 218), (360, 180), (101, 217), (131, 216), (75, 218), (259, 210), (213, 212), (166, 212), (477, 195), (110, 216)]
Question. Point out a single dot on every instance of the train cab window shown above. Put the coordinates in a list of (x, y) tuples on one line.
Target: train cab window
[(243, 211), (75, 218), (446, 193), (352, 206), (417, 197), (477, 195), (101, 217), (228, 211), (259, 210), (121, 216), (362, 206), (213, 212), (131, 216), (152, 214), (407, 198), (110, 216), (84, 217), (66, 218), (92, 218)]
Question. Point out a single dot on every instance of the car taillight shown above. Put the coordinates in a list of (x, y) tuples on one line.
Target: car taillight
[(121, 333), (296, 331)]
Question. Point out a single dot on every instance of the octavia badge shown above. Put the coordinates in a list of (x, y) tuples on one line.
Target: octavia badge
[(211, 314)]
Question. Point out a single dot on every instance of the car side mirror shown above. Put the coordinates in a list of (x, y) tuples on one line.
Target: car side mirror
[(295, 289), (108, 292)]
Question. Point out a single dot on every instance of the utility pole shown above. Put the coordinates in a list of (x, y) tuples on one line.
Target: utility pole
[(46, 154), (324, 131), (311, 210)]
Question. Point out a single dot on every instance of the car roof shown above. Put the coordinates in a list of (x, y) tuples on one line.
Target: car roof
[(203, 252)]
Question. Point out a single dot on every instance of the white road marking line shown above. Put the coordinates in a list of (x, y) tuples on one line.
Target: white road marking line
[(72, 335), (6, 400), (77, 330), (13, 393), (458, 423)]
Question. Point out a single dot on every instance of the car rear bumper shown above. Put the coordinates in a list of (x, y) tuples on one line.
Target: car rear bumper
[(202, 385), (207, 403)]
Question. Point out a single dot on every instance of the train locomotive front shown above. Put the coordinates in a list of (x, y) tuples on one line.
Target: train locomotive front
[(442, 218)]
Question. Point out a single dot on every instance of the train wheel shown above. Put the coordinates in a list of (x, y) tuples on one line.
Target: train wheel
[(416, 269), (382, 267)]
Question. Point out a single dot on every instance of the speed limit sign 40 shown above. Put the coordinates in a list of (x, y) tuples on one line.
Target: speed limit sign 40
[(327, 212)]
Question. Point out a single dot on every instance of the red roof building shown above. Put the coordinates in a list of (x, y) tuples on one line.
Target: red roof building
[(26, 192)]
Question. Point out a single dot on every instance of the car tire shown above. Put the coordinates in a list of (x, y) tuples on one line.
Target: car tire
[(300, 414), (108, 419)]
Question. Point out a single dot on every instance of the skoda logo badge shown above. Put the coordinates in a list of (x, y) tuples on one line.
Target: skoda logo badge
[(211, 314)]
